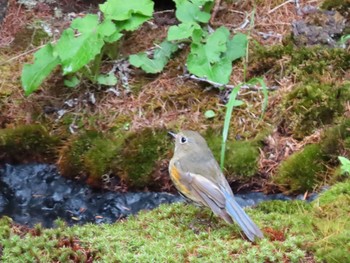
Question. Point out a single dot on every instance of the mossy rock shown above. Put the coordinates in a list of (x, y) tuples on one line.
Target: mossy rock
[(140, 154), (332, 195), (301, 171), (27, 143), (347, 144), (337, 175), (311, 106), (241, 158), (335, 140), (306, 64), (29, 36), (342, 6), (89, 156)]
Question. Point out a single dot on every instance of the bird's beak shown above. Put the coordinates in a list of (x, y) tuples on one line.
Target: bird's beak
[(172, 134)]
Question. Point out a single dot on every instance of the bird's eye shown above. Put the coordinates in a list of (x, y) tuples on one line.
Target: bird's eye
[(183, 139)]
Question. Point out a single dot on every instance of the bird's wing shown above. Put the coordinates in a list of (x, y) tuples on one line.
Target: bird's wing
[(205, 192), (208, 168)]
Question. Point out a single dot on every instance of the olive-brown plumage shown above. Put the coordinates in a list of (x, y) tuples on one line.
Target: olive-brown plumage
[(196, 175)]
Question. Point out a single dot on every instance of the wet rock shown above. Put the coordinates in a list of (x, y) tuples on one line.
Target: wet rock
[(33, 194), (318, 28), (37, 193)]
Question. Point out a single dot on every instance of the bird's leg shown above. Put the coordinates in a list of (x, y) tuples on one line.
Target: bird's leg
[(203, 219)]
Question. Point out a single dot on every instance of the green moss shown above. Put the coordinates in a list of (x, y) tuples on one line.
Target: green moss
[(89, 155), (97, 159), (70, 158), (303, 63), (28, 37), (162, 235), (121, 124), (301, 171), (347, 144), (27, 143), (338, 190), (294, 232), (140, 154), (331, 218), (241, 159), (334, 139), (315, 163), (342, 6), (336, 175), (310, 106), (5, 227), (290, 207), (262, 135)]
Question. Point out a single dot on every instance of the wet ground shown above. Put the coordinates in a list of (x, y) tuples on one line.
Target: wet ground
[(37, 193)]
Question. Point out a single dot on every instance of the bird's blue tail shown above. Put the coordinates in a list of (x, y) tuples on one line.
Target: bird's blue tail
[(237, 213)]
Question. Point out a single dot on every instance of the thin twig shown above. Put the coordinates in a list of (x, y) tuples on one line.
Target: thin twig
[(244, 24), (21, 55), (164, 11), (215, 10), (31, 51), (218, 85), (267, 35), (279, 6), (235, 11)]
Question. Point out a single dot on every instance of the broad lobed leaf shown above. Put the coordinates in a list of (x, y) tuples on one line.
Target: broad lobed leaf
[(213, 58), (190, 11), (160, 58), (121, 10), (182, 31), (76, 52), (34, 74), (108, 79)]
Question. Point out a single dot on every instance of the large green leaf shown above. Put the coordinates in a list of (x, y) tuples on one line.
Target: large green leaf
[(213, 59), (108, 80), (121, 10), (76, 52), (133, 23), (237, 46), (34, 74), (90, 25), (160, 58), (107, 28), (182, 31), (216, 44), (85, 24), (190, 11), (201, 2), (345, 165), (72, 82)]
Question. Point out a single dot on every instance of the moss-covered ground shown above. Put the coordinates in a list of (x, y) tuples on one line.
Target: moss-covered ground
[(294, 232)]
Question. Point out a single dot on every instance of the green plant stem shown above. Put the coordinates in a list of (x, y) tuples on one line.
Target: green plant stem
[(96, 66), (230, 105), (245, 63)]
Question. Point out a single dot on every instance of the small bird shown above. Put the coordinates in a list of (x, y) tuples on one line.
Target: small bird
[(197, 176)]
